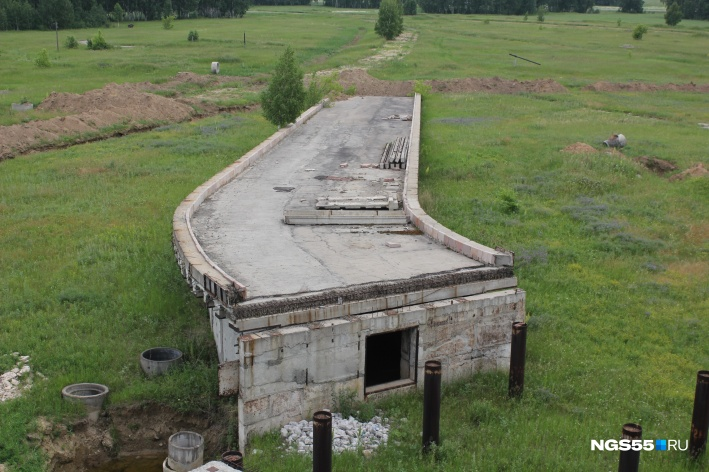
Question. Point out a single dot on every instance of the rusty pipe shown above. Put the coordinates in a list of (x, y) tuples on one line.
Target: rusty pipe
[(517, 358), (630, 460), (322, 441), (700, 415), (431, 404)]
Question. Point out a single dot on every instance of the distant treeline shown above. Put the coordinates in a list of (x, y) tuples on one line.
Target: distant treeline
[(42, 14)]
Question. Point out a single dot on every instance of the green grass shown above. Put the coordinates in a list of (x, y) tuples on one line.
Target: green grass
[(89, 278), (613, 258)]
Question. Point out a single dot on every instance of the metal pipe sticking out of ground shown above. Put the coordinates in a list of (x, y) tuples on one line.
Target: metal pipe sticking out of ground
[(322, 441), (431, 404), (630, 459), (517, 359), (700, 415)]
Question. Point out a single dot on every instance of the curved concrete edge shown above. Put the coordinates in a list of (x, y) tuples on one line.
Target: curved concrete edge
[(199, 270), (428, 225)]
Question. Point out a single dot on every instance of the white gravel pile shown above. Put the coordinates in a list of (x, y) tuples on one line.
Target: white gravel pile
[(14, 381), (347, 434)]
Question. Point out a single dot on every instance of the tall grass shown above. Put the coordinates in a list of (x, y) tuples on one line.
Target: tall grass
[(89, 278)]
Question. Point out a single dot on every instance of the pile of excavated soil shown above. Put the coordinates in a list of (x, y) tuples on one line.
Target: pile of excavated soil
[(580, 148), (128, 106), (641, 87), (697, 170), (90, 114), (365, 84), (655, 164), (496, 85)]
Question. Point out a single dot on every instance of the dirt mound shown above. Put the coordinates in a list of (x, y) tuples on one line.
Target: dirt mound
[(496, 85), (122, 100), (697, 170), (365, 84), (642, 87), (658, 166), (92, 114), (580, 148)]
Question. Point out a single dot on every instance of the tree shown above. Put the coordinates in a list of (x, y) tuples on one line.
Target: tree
[(410, 7), (118, 13), (60, 12), (673, 15), (390, 23), (284, 98), (631, 6)]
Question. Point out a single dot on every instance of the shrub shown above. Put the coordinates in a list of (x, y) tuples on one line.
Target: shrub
[(673, 15), (410, 7), (390, 23), (508, 201), (422, 88), (71, 43), (193, 36), (98, 42), (167, 22), (639, 31), (284, 98), (42, 59)]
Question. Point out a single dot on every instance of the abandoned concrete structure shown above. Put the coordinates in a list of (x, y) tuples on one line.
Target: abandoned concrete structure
[(321, 272)]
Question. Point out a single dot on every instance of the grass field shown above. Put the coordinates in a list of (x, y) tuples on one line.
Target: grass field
[(614, 259)]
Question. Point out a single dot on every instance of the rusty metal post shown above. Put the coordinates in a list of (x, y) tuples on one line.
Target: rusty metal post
[(322, 441), (431, 404), (630, 460), (700, 415), (517, 358)]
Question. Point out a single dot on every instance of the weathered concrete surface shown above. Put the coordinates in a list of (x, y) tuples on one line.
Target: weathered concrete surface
[(287, 373), (241, 227), (293, 307)]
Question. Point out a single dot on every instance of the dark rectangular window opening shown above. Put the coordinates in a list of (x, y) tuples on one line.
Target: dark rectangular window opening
[(390, 360)]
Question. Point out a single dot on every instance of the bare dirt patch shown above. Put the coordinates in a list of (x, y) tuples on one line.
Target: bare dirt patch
[(697, 170), (134, 431), (580, 148), (642, 87), (113, 109), (655, 164), (365, 84)]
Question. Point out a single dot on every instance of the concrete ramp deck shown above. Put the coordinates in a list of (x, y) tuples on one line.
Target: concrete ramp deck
[(242, 227), (322, 273)]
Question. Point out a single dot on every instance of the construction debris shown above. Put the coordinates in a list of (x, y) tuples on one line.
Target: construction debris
[(616, 141), (395, 154)]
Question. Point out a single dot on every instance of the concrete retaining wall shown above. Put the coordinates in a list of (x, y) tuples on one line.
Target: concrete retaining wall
[(288, 373), (428, 225)]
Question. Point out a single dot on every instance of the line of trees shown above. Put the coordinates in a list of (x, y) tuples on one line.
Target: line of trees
[(43, 14)]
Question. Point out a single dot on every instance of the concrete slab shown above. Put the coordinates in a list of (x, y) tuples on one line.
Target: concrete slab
[(242, 229)]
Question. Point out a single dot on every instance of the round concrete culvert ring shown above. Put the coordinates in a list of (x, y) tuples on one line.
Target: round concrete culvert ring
[(91, 395), (158, 360), (185, 451)]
